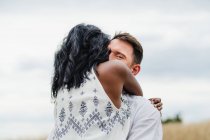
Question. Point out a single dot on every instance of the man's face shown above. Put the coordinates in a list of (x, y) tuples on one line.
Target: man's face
[(123, 51)]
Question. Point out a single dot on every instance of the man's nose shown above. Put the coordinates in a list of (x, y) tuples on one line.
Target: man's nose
[(111, 56)]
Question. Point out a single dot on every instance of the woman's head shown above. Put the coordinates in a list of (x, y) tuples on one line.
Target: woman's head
[(83, 48)]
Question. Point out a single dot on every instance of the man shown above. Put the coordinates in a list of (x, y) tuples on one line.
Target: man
[(145, 119)]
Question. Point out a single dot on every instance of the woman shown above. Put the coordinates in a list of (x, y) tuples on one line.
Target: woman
[(87, 88)]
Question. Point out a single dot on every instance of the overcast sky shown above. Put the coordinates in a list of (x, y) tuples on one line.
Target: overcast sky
[(174, 35)]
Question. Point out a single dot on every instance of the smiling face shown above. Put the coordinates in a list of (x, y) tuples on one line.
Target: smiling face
[(123, 51)]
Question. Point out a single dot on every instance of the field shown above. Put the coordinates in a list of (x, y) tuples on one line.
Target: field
[(172, 131), (177, 131)]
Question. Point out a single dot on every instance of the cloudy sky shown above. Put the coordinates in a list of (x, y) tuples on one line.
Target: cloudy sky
[(175, 36)]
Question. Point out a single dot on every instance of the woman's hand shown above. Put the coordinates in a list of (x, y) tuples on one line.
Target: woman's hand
[(157, 103)]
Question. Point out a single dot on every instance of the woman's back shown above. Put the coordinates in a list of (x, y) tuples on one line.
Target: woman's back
[(88, 113)]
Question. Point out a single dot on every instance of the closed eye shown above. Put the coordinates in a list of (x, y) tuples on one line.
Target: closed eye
[(119, 56)]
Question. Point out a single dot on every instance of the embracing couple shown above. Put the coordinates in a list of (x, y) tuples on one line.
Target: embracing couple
[(95, 93)]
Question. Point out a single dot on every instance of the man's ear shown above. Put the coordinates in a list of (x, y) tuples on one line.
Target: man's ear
[(136, 69)]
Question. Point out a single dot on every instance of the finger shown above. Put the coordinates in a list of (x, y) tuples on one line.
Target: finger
[(159, 108), (156, 100), (159, 104), (151, 100), (155, 105)]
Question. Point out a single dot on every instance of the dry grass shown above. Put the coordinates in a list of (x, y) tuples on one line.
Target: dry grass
[(176, 131), (172, 131)]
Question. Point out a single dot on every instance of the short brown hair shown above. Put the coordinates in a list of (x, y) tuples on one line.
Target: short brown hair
[(137, 48)]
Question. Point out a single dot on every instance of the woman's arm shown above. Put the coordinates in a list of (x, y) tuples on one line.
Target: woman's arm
[(115, 74), (130, 83)]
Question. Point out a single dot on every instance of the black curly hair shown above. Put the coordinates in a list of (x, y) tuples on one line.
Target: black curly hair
[(85, 47)]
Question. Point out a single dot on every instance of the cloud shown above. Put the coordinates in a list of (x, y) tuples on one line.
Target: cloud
[(177, 62), (106, 6), (30, 64)]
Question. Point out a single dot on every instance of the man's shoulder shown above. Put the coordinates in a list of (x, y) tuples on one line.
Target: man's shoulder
[(145, 119), (138, 101), (141, 107)]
